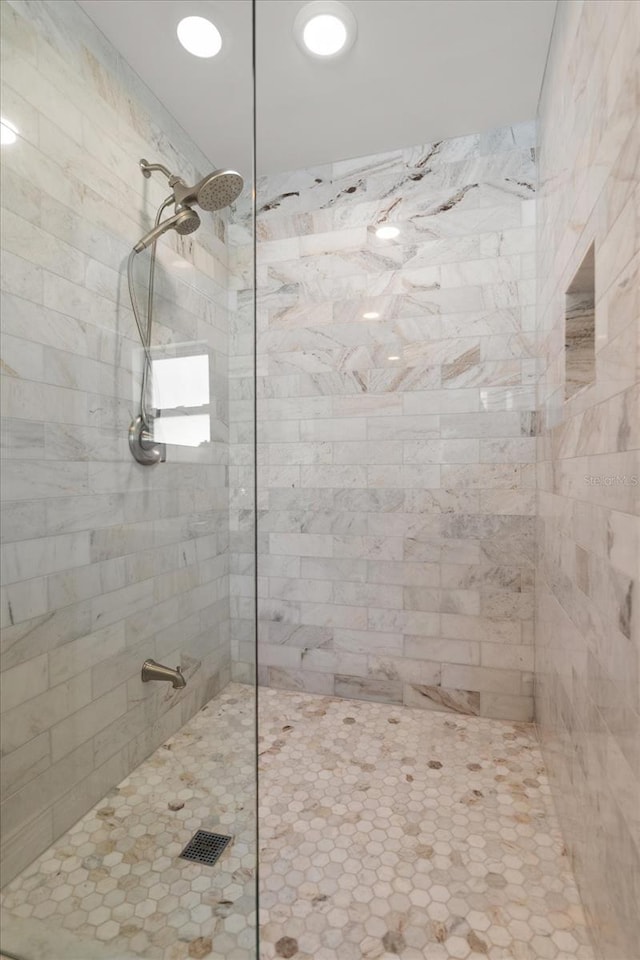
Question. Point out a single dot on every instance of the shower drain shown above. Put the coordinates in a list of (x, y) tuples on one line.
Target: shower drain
[(205, 847)]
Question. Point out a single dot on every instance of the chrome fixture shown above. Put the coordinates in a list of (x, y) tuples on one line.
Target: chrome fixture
[(142, 445), (157, 671), (213, 192), (185, 221)]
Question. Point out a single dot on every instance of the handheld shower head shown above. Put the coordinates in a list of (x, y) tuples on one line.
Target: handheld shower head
[(213, 192), (185, 221)]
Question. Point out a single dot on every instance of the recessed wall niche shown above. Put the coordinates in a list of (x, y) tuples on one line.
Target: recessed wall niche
[(580, 317)]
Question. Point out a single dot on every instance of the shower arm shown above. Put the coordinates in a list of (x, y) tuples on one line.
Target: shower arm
[(148, 168), (181, 191)]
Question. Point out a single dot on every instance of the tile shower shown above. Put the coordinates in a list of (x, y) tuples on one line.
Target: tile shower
[(588, 550), (424, 491), (396, 411), (104, 564)]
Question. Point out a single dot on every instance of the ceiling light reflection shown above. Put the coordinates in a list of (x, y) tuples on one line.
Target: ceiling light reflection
[(387, 233), (8, 132)]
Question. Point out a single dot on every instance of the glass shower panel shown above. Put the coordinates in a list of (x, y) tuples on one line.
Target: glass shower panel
[(128, 496)]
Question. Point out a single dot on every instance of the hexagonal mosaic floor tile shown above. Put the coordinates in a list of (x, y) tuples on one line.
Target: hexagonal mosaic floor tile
[(117, 877), (386, 832)]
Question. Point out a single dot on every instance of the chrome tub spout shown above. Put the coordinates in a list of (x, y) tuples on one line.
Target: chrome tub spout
[(157, 671)]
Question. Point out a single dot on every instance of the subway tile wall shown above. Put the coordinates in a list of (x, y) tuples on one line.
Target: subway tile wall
[(396, 421), (588, 565), (105, 562)]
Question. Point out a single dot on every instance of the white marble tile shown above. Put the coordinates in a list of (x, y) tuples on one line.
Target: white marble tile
[(23, 600), (410, 911), (331, 429), (39, 713), (77, 655), (24, 239), (21, 561), (92, 540), (83, 725), (586, 528), (398, 411), (23, 682)]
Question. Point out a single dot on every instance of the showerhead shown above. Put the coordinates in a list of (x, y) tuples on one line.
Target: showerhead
[(186, 224), (185, 221), (213, 192), (219, 189)]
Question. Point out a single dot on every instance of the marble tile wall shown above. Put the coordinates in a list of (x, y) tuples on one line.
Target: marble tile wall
[(396, 399), (588, 563), (105, 562)]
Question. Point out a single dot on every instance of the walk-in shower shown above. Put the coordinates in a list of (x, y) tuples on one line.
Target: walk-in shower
[(274, 698), (213, 192)]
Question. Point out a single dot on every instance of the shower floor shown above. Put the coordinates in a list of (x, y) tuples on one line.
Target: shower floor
[(386, 832), (114, 885)]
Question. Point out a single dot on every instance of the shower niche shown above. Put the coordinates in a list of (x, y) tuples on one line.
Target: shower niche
[(580, 334)]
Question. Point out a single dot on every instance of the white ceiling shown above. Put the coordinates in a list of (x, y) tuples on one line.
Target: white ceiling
[(420, 70)]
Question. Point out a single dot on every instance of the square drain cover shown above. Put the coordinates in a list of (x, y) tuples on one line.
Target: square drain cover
[(205, 847)]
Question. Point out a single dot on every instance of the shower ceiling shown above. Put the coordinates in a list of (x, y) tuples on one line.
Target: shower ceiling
[(420, 70)]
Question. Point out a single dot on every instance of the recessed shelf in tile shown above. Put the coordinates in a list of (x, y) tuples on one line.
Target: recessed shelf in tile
[(580, 315)]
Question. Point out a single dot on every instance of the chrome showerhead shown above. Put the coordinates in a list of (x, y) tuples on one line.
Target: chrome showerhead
[(213, 192), (218, 189), (185, 221), (187, 224)]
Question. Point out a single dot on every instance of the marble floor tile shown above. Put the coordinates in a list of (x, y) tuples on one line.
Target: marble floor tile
[(391, 832), (386, 832), (116, 879)]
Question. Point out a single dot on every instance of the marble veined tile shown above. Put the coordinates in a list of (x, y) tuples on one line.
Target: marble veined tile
[(389, 831), (587, 504), (386, 831), (105, 539)]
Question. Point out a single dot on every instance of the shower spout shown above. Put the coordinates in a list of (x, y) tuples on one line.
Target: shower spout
[(151, 670)]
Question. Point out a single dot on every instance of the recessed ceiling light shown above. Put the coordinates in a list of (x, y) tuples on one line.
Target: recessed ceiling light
[(325, 35), (393, 358), (325, 28), (387, 233), (8, 133), (372, 315), (199, 36)]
